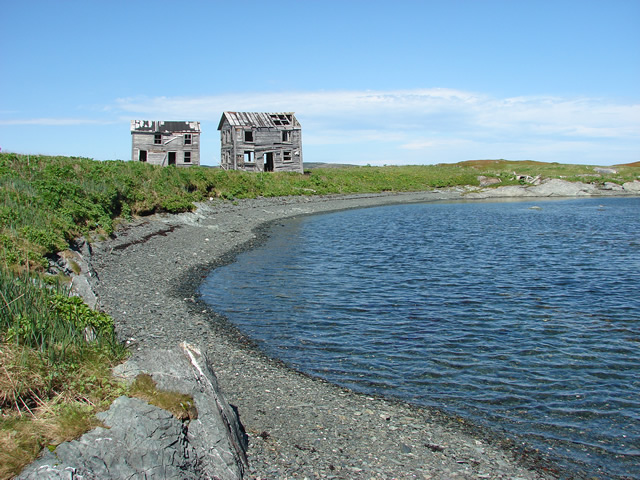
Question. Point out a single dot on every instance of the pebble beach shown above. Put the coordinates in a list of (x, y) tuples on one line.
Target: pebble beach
[(147, 277)]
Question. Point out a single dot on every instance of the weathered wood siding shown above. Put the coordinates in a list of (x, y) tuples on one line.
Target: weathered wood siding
[(248, 148), (173, 145)]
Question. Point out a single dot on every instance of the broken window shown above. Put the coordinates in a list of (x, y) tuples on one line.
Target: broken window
[(187, 157), (286, 156), (248, 157), (187, 139), (281, 119), (157, 139), (142, 156), (286, 136), (248, 136)]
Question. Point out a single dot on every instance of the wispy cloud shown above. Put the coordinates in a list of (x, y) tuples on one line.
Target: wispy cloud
[(441, 111), (403, 126), (424, 124)]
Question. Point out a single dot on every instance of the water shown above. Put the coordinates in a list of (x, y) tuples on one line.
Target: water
[(521, 316)]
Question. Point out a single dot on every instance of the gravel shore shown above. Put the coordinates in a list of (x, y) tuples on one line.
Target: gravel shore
[(147, 277)]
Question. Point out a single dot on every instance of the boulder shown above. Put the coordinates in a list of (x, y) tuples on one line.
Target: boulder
[(605, 170), (487, 181), (556, 187), (612, 186), (139, 441), (144, 441), (632, 186)]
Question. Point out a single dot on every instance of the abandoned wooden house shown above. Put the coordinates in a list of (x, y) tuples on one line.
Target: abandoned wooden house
[(165, 143), (260, 142)]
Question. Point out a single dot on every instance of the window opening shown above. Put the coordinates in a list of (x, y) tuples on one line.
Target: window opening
[(248, 136), (281, 119), (286, 156), (286, 136), (248, 157), (187, 139), (157, 139), (187, 157)]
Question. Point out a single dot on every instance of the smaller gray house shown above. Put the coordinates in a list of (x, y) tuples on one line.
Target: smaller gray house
[(260, 142), (165, 143)]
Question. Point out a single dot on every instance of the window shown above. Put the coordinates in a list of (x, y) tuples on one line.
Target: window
[(286, 156), (187, 139), (248, 136), (281, 119), (142, 156), (187, 157), (157, 139), (286, 136), (248, 157)]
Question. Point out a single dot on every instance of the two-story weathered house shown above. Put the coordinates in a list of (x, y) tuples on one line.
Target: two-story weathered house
[(165, 143), (260, 142)]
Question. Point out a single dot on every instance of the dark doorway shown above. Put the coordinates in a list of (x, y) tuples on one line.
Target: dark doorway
[(172, 158), (143, 155), (268, 162)]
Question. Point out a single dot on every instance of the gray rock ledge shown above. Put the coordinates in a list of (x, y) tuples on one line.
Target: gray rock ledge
[(144, 441)]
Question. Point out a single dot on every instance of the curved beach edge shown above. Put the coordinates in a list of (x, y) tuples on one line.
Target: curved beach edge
[(147, 277)]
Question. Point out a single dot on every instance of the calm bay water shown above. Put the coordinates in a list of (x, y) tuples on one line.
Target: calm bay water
[(523, 316)]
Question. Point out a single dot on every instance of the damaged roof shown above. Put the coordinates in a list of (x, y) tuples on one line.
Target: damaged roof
[(157, 126), (278, 120)]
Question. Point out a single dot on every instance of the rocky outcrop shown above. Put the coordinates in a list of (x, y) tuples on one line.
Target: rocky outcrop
[(632, 187), (556, 188), (143, 441)]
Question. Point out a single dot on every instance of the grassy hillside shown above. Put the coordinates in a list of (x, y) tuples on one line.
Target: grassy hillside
[(48, 201), (52, 379)]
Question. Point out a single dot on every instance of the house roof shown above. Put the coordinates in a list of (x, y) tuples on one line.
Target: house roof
[(156, 126), (278, 120)]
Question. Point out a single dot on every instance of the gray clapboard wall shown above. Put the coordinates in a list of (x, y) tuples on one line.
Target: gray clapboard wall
[(165, 142), (260, 142)]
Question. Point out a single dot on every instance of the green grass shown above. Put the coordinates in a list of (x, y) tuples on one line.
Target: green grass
[(52, 380)]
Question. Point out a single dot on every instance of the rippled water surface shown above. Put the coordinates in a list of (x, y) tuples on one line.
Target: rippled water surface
[(521, 316)]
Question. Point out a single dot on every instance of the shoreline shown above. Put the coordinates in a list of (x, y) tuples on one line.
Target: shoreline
[(298, 426)]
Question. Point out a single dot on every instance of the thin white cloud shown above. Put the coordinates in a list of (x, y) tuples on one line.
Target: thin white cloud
[(442, 111), (404, 126)]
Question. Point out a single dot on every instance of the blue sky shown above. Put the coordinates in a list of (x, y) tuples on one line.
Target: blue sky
[(372, 82)]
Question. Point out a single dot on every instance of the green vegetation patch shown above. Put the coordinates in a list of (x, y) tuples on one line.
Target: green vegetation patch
[(180, 405)]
